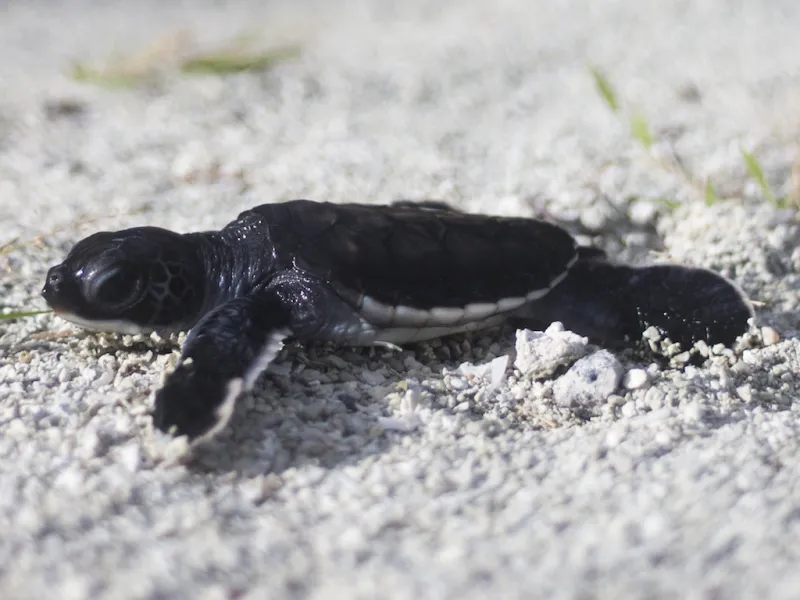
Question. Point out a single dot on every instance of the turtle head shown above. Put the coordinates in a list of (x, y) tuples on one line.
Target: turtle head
[(135, 280)]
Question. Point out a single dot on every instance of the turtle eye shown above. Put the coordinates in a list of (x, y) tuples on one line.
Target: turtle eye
[(115, 286)]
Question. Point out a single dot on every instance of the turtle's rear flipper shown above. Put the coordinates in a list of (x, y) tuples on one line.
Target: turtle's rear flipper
[(221, 358), (614, 304)]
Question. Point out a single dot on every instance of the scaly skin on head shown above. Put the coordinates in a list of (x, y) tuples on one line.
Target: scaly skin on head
[(135, 280), (150, 279)]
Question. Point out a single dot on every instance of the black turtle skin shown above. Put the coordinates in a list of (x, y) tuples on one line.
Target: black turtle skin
[(317, 271)]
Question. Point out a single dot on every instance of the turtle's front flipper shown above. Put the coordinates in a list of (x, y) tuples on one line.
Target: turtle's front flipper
[(221, 358), (614, 304)]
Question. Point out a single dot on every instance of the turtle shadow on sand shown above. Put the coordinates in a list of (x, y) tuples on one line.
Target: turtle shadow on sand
[(323, 405)]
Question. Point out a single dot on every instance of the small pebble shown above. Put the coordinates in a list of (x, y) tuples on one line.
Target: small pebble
[(106, 377), (541, 354), (596, 216), (494, 371), (590, 381), (643, 212), (702, 348), (129, 457), (616, 400), (745, 393), (770, 336), (635, 379), (693, 411), (410, 400), (629, 410), (457, 383), (654, 398), (372, 377), (652, 334)]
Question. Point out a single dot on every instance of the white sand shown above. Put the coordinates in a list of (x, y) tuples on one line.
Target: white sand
[(331, 482)]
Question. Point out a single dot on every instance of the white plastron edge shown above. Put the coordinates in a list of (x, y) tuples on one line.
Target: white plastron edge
[(111, 326), (450, 318)]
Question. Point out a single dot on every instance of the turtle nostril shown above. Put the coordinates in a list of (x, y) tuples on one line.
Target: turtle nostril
[(55, 280)]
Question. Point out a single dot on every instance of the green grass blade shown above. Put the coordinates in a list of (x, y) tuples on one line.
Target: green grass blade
[(109, 79), (22, 315), (10, 246), (605, 89), (641, 131), (711, 193), (671, 205), (757, 173), (224, 63)]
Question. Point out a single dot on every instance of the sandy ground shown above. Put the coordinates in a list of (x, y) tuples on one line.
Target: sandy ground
[(366, 474)]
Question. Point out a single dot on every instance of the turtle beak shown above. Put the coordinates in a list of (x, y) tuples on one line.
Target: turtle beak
[(53, 290)]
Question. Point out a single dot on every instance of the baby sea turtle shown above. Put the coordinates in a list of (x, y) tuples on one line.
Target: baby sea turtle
[(361, 275)]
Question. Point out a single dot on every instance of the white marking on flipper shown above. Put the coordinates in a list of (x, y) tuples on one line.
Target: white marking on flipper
[(224, 411), (239, 385), (265, 356)]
